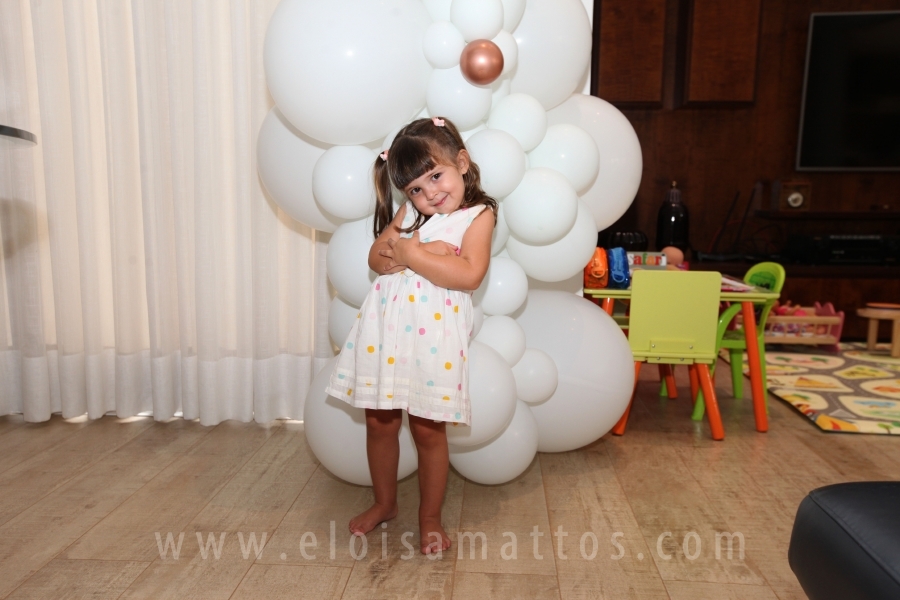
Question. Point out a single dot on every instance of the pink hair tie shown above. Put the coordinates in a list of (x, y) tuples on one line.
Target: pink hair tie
[(437, 121), (384, 155)]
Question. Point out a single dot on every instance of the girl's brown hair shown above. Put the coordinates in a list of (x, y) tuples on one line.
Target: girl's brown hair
[(418, 148)]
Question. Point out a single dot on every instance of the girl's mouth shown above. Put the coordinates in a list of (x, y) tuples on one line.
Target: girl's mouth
[(444, 199)]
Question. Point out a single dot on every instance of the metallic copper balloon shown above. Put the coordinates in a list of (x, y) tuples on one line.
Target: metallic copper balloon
[(481, 62)]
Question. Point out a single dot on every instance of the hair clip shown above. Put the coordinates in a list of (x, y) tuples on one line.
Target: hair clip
[(384, 155), (437, 121)]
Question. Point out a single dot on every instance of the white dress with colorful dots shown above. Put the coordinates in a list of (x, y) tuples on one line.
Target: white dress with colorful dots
[(409, 345)]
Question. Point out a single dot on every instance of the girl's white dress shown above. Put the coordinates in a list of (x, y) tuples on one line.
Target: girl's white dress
[(409, 345)]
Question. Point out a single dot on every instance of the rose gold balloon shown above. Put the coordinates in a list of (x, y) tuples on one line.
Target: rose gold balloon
[(481, 62)]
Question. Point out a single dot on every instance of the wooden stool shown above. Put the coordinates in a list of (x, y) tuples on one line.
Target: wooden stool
[(882, 314)]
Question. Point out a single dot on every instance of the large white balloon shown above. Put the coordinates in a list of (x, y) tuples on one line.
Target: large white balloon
[(542, 209), (500, 159), (347, 260), (477, 19), (559, 260), (504, 288), (285, 159), (512, 13), (554, 39), (336, 432), (443, 44), (342, 181), (536, 376), (510, 50), (492, 393), (571, 151), (596, 368), (503, 458), (504, 335), (333, 67), (500, 234), (523, 117), (341, 317), (438, 9), (450, 95), (499, 91), (620, 155), (477, 320)]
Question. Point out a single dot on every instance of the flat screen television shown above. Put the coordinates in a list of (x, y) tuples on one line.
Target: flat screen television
[(850, 113)]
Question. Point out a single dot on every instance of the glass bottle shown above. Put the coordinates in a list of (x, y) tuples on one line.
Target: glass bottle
[(672, 222)]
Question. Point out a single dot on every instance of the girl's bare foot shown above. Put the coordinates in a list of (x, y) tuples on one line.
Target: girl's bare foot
[(432, 537), (366, 521)]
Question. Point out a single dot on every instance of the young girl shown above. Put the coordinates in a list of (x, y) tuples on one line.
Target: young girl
[(409, 345)]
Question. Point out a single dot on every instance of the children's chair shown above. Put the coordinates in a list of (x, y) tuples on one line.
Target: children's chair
[(767, 275), (673, 322)]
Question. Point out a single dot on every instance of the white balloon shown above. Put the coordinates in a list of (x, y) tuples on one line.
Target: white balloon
[(554, 39), (510, 50), (536, 376), (572, 285), (285, 159), (438, 9), (503, 458), (465, 135), (443, 44), (503, 289), (596, 368), (336, 432), (571, 151), (500, 234), (342, 181), (512, 13), (500, 159), (333, 67), (347, 260), (620, 155), (492, 393), (477, 320), (499, 90), (522, 116), (559, 260), (477, 19), (450, 95), (341, 317), (504, 335), (542, 209)]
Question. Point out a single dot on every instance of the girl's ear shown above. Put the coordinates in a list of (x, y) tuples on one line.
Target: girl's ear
[(462, 161)]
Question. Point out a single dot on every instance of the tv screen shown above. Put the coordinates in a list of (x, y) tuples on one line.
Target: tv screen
[(850, 115)]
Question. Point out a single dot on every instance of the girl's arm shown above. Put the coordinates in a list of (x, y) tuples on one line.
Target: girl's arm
[(463, 272), (383, 264)]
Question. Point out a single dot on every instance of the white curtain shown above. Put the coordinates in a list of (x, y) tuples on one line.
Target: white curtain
[(144, 269)]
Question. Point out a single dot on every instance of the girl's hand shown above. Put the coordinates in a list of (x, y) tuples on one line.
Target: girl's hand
[(402, 249), (441, 248)]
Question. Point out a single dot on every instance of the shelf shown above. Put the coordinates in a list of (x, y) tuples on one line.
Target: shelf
[(829, 215)]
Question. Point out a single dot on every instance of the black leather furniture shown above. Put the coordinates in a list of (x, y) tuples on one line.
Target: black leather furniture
[(846, 542)]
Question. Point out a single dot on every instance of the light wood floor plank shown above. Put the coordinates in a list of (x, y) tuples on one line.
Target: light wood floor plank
[(504, 586), (693, 590), (25, 441), (71, 579), (10, 422), (289, 582)]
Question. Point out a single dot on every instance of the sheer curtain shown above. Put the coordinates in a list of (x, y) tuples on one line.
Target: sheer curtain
[(144, 269)]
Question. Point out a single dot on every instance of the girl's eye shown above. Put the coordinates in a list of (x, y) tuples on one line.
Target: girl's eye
[(413, 191), (436, 176)]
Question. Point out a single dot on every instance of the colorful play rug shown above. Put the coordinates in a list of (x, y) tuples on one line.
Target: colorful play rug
[(854, 391)]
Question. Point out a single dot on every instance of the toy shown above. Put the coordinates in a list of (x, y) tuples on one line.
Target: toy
[(793, 324)]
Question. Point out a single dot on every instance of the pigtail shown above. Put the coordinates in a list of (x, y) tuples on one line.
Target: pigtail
[(384, 195)]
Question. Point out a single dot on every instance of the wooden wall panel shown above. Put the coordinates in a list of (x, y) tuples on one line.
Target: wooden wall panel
[(632, 38), (722, 49)]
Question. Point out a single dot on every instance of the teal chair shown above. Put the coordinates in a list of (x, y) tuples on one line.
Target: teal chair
[(769, 275)]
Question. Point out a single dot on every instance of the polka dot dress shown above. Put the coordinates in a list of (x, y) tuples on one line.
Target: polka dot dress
[(409, 345)]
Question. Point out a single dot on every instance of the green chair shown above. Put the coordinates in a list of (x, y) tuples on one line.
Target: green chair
[(767, 275), (673, 322)]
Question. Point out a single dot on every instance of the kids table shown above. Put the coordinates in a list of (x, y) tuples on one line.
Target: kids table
[(747, 298)]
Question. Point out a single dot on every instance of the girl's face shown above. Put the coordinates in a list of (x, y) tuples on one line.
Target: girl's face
[(440, 190)]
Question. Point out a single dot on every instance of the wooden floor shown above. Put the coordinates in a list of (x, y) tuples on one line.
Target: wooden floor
[(82, 503)]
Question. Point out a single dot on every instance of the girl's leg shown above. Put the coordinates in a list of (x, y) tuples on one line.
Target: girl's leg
[(383, 450), (434, 463)]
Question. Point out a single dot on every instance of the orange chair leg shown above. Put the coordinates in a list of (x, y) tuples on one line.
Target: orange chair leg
[(608, 304), (667, 372), (619, 429), (712, 405), (695, 383)]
